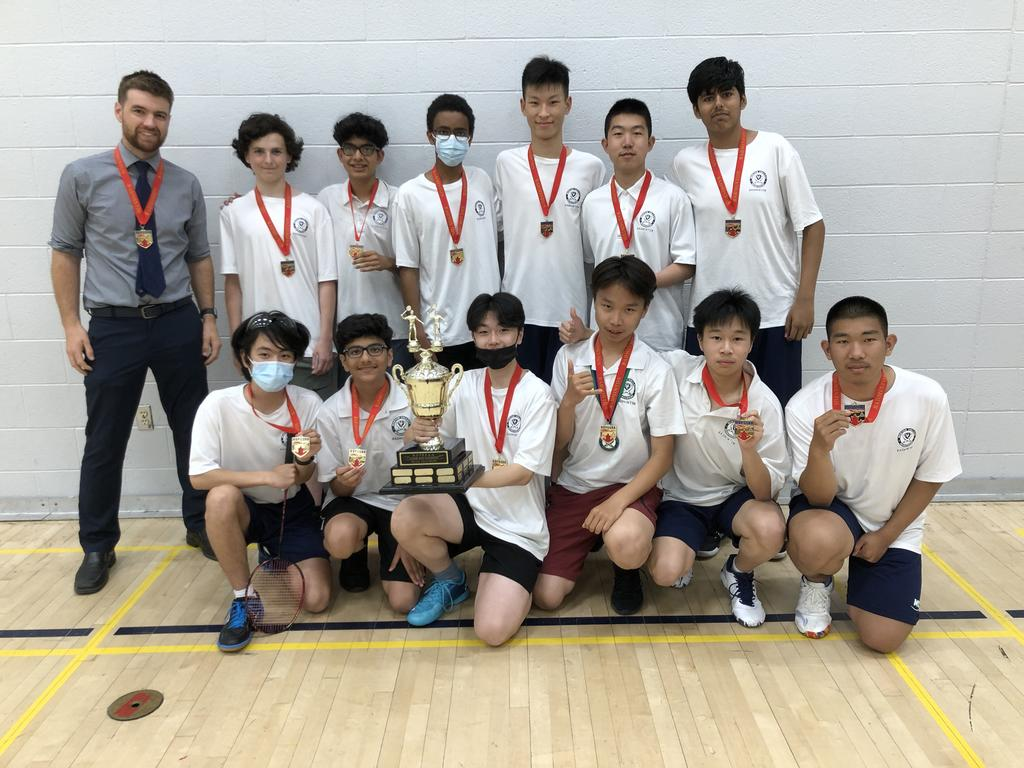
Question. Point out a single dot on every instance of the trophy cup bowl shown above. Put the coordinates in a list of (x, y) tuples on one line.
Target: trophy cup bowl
[(429, 386)]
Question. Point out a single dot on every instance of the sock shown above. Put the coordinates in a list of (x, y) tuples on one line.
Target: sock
[(240, 592), (451, 573)]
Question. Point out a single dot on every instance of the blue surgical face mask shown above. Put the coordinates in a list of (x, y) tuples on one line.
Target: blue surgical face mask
[(271, 375), (451, 149)]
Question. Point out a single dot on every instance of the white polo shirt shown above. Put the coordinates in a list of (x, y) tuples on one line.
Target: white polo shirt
[(514, 513), (663, 234), (707, 467), (912, 438), (422, 241), (360, 292), (546, 273), (226, 434), (249, 251), (648, 407), (382, 442), (776, 203)]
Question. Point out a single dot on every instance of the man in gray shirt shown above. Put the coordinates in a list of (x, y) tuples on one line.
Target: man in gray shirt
[(144, 261)]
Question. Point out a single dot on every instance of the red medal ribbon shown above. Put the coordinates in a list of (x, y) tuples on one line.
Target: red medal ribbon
[(378, 401), (141, 216), (627, 237), (295, 427), (731, 203), (456, 233), (283, 245), (876, 401), (499, 432), (545, 204), (369, 207), (609, 402), (709, 385)]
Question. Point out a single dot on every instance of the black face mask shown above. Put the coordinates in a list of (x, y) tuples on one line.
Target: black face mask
[(496, 358)]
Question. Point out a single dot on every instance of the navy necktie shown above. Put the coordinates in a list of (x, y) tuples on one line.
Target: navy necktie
[(149, 278)]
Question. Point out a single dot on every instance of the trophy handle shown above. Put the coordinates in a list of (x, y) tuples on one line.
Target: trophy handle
[(453, 382), (398, 373)]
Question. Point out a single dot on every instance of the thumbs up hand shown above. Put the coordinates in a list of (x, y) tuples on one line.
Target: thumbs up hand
[(573, 329), (579, 386)]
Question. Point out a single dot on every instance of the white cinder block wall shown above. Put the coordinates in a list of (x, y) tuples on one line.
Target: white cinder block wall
[(909, 117)]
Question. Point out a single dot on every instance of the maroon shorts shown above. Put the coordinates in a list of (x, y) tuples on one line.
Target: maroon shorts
[(570, 541)]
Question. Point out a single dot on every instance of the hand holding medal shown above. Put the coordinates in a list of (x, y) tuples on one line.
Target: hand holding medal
[(749, 430)]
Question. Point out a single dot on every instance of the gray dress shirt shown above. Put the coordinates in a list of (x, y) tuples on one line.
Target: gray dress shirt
[(93, 217)]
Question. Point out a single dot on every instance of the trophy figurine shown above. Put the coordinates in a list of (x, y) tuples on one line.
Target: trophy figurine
[(436, 466)]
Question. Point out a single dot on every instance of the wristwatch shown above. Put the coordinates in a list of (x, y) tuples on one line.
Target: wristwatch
[(208, 311)]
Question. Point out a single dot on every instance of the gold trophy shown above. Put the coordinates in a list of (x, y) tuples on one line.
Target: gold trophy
[(436, 466)]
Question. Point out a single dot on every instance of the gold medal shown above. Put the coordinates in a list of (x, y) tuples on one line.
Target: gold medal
[(546, 228), (288, 267), (609, 437), (300, 447), (499, 461), (355, 251), (732, 227), (744, 428), (457, 256), (356, 457), (856, 412), (143, 238)]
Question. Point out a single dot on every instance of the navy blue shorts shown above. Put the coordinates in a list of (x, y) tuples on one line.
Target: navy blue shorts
[(538, 350), (302, 537), (501, 557), (891, 587), (378, 520), (691, 523), (777, 361)]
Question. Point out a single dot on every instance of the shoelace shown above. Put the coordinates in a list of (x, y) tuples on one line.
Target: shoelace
[(816, 599), (445, 596), (236, 614), (743, 588)]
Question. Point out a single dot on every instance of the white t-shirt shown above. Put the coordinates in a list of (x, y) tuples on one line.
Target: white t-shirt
[(249, 251), (226, 434), (514, 513), (360, 292), (546, 273), (422, 241), (912, 438), (776, 202), (662, 234), (382, 442), (648, 407), (707, 467)]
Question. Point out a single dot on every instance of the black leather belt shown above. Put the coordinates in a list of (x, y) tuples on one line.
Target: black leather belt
[(144, 311)]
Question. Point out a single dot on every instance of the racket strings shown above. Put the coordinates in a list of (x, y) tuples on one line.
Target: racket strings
[(276, 588)]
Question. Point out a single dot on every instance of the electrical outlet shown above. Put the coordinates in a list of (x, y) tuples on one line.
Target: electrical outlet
[(144, 417)]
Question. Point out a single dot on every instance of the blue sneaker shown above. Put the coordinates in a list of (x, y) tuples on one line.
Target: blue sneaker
[(439, 598), (236, 632)]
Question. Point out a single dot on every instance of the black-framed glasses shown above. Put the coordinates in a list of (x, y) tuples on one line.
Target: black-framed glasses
[(265, 319), (375, 350), (444, 133), (366, 150)]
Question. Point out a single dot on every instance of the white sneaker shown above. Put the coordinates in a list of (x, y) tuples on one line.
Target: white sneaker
[(743, 594), (813, 617), (684, 580)]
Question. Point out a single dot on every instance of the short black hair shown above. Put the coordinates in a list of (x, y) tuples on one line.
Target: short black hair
[(629, 107), (362, 126), (144, 80), (281, 330), (715, 74), (357, 326), (628, 271), (856, 306), (724, 305), (449, 102), (506, 307), (543, 70), (260, 124)]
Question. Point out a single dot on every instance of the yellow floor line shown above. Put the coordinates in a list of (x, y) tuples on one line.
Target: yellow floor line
[(941, 719), (83, 653)]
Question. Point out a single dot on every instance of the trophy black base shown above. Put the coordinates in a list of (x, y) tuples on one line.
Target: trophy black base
[(449, 469)]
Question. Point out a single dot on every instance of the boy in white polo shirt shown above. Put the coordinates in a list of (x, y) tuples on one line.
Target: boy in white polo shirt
[(872, 444), (446, 237), (507, 417), (644, 216), (750, 198), (241, 454), (617, 420), (277, 248), (541, 188), (732, 462), (362, 210), (362, 427)]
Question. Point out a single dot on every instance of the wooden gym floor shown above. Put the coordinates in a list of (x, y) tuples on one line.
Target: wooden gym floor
[(680, 684)]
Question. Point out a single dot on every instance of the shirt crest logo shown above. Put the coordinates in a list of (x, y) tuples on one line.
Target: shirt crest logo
[(300, 225), (906, 437), (380, 217)]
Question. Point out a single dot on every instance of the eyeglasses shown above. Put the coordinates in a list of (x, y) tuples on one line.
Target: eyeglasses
[(375, 350), (366, 150), (265, 319), (444, 133)]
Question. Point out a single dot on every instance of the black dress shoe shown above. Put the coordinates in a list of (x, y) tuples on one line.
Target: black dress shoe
[(354, 572), (92, 573), (199, 540)]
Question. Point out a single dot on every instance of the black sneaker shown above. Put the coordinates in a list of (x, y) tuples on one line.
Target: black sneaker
[(354, 573), (709, 547), (236, 632), (199, 540), (627, 591)]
